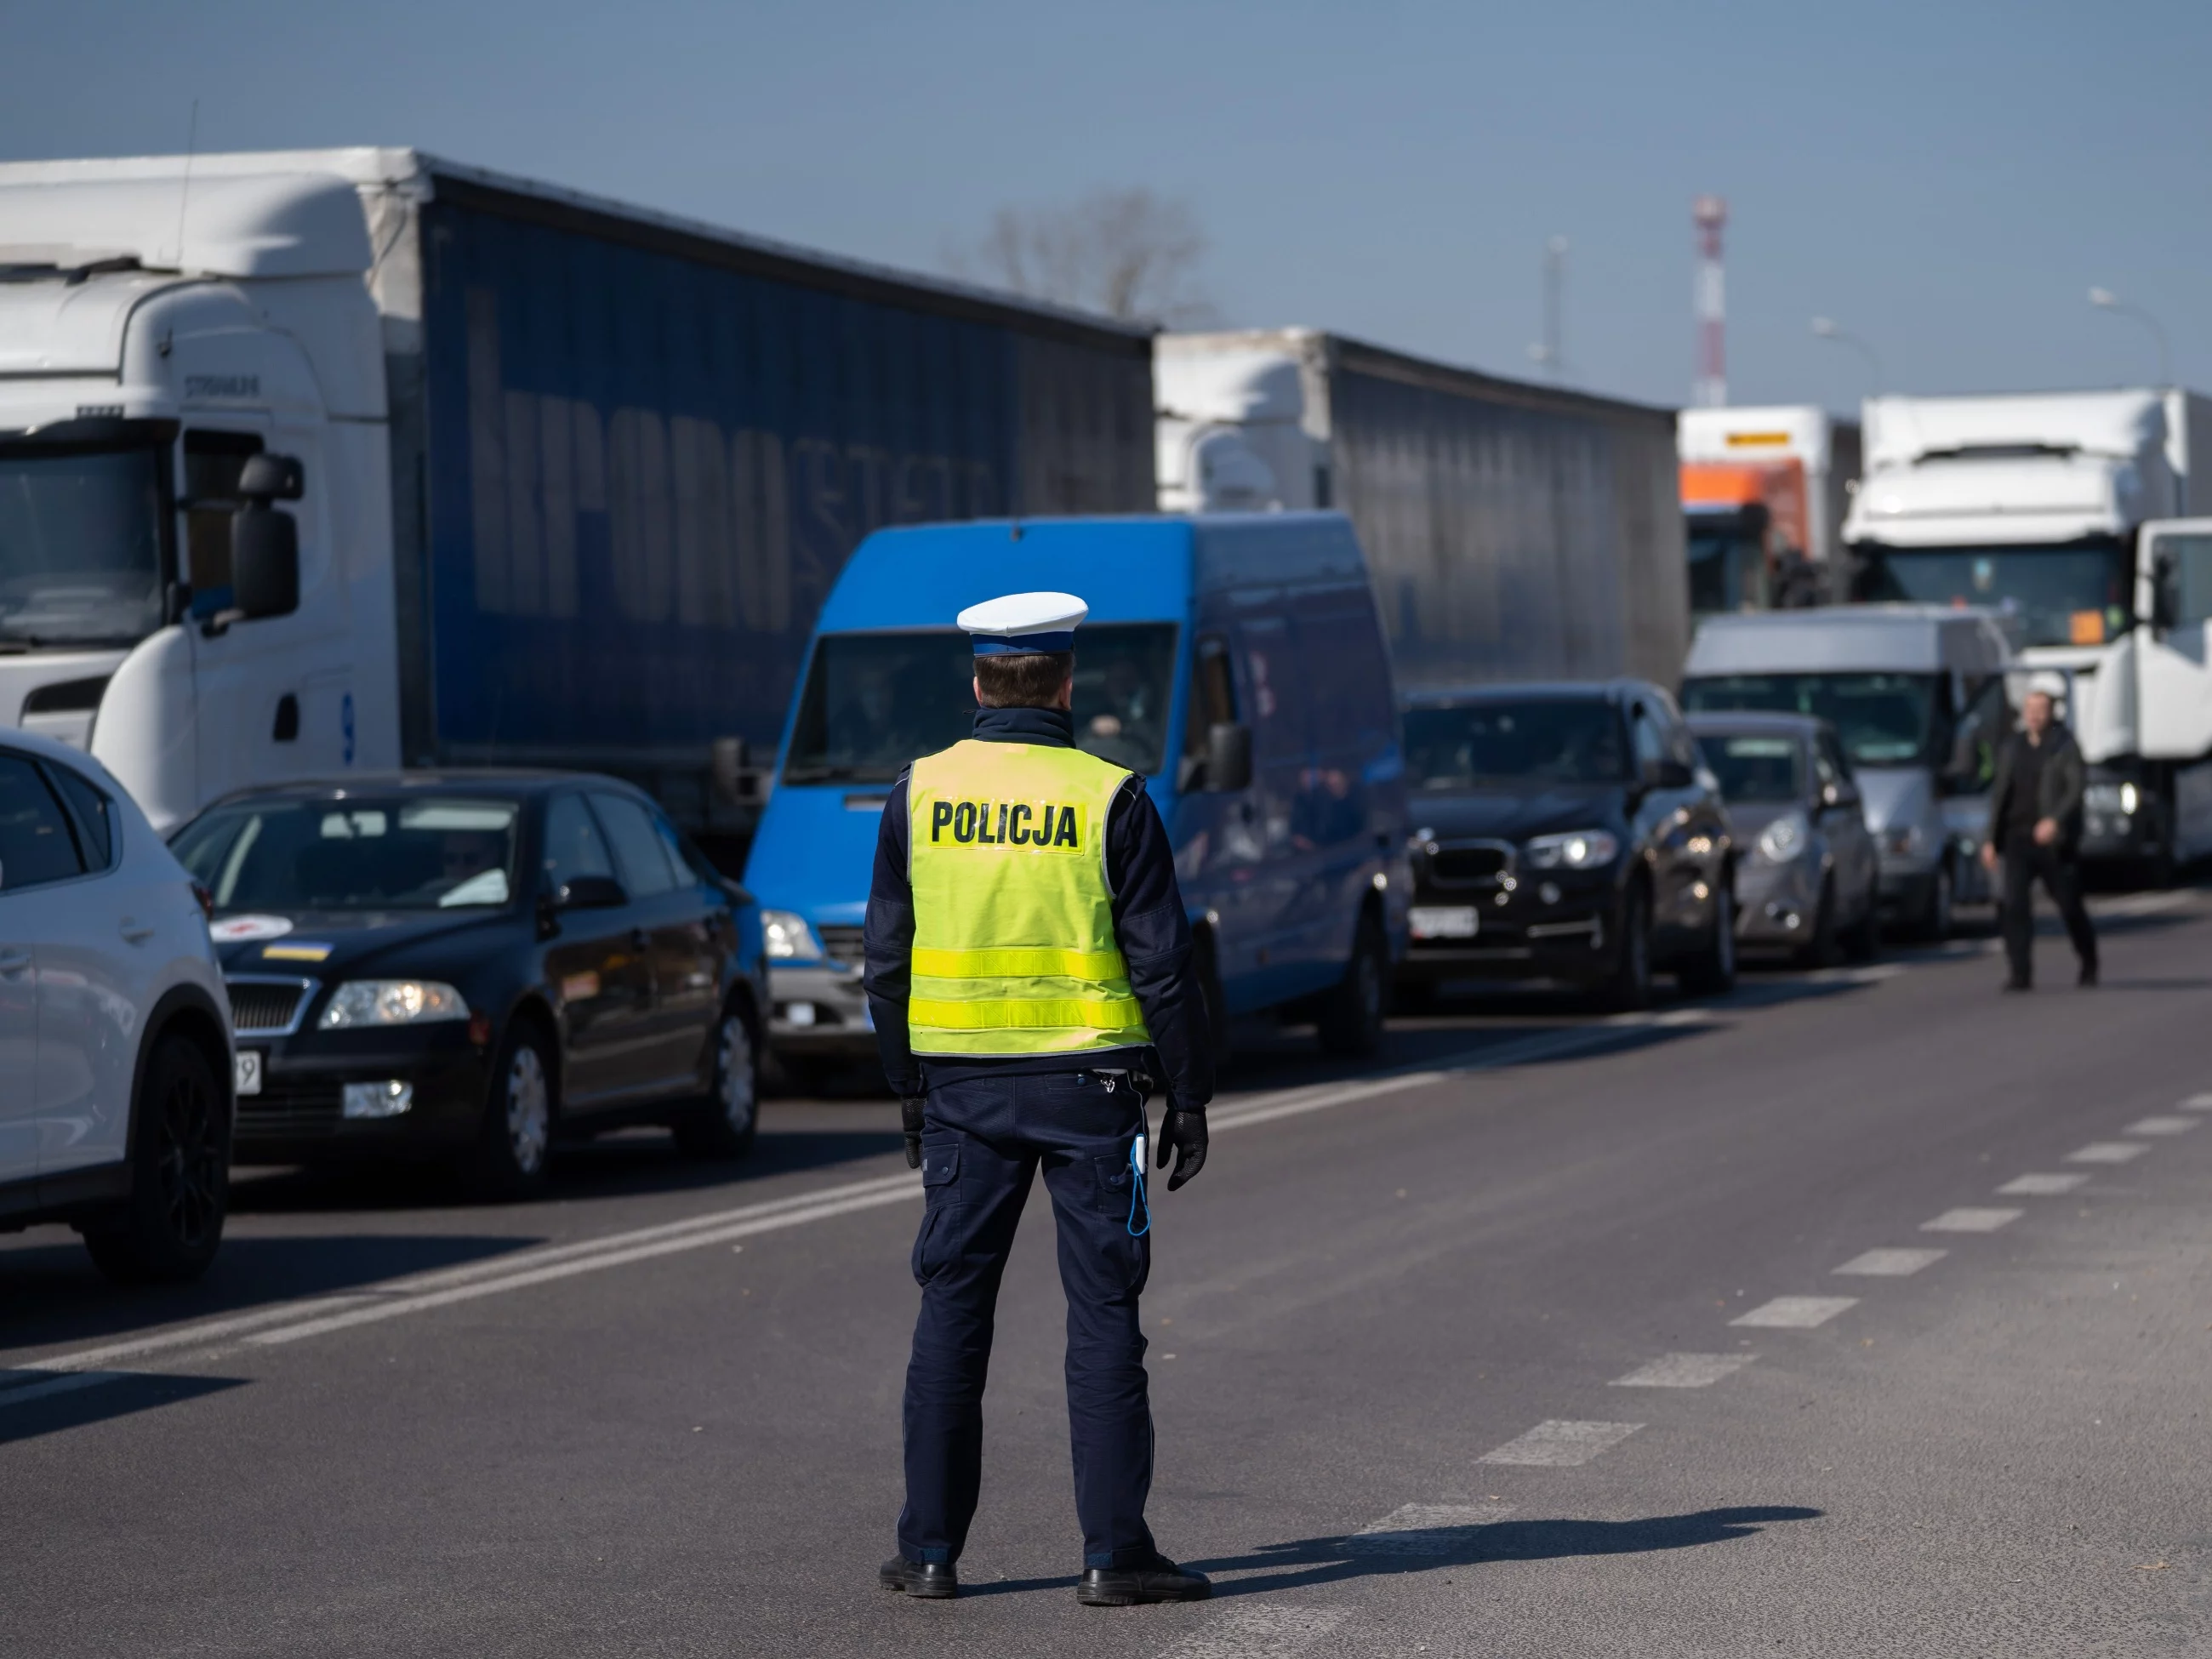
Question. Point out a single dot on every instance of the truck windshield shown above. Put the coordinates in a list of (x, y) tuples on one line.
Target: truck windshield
[(80, 546), (1557, 740), (2081, 593), (426, 852), (874, 702), (1884, 719)]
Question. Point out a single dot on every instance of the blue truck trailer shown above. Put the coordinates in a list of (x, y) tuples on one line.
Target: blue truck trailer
[(1234, 661), (574, 478)]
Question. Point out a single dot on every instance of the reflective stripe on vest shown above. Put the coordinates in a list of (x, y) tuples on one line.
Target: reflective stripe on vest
[(1014, 951)]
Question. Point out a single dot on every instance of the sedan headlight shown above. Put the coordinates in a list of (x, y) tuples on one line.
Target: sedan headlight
[(1785, 838), (788, 937), (1576, 849), (362, 1002)]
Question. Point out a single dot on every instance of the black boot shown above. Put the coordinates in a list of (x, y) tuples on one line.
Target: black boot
[(1157, 1580), (932, 1581), (2088, 973)]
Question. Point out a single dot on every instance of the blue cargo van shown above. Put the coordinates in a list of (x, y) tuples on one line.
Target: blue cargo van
[(1234, 661)]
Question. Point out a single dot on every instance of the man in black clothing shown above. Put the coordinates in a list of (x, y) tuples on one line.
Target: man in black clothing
[(2035, 826), (983, 1117)]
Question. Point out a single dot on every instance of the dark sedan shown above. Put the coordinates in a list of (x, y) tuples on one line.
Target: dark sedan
[(1567, 833), (466, 966)]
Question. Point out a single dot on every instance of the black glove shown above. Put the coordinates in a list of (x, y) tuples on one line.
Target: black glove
[(910, 1121), (1182, 1133)]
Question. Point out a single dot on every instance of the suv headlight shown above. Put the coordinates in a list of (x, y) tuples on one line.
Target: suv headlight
[(1575, 849), (361, 1002), (2111, 797), (788, 937), (1785, 838)]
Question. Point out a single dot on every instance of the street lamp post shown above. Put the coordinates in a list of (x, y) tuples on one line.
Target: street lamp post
[(2104, 299), (1827, 328)]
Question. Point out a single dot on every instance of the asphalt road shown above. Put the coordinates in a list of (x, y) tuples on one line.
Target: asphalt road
[(1543, 1336)]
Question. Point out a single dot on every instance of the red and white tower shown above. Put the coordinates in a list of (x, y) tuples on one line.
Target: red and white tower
[(1710, 389)]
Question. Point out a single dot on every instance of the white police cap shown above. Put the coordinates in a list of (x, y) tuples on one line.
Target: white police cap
[(1021, 623)]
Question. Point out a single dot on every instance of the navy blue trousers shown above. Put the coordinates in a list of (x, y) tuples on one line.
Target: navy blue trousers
[(982, 1143)]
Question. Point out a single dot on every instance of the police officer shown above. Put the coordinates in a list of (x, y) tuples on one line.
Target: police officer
[(1030, 972)]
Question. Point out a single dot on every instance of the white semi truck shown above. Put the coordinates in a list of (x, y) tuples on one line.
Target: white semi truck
[(2057, 510), (541, 479)]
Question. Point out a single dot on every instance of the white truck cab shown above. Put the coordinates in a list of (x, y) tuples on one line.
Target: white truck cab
[(140, 371)]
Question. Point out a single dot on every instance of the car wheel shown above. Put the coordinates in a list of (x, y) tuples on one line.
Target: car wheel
[(723, 1126), (1936, 918), (1629, 989), (167, 1231), (1863, 941), (1820, 950), (1711, 972), (1352, 1021), (516, 1143)]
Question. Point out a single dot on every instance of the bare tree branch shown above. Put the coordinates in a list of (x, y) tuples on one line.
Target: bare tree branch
[(1126, 253)]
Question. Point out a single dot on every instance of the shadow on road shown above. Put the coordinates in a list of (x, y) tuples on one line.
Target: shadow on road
[(28, 1417)]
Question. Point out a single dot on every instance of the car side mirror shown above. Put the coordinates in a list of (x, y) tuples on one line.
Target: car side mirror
[(589, 893), (1838, 794), (1228, 756), (2165, 601), (264, 542), (1666, 775)]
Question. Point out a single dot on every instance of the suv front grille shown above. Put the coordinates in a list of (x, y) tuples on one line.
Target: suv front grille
[(842, 941), (266, 1007), (1469, 864)]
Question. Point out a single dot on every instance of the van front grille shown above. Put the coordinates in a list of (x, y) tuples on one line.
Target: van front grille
[(842, 941)]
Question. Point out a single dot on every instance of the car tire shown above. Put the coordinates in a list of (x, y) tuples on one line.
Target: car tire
[(1627, 990), (1820, 950), (1351, 1024), (167, 1231), (723, 1126), (516, 1143), (1862, 939), (1711, 972), (1936, 916)]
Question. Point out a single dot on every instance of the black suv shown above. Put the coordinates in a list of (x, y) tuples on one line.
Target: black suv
[(1567, 832)]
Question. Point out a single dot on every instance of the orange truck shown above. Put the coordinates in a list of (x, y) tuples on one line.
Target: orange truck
[(1764, 492)]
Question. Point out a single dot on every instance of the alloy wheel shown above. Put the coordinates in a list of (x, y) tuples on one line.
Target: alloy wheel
[(529, 1109), (734, 1072), (189, 1166)]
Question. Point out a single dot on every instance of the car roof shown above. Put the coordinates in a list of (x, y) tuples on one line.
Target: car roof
[(1757, 719), (515, 782), (1526, 691)]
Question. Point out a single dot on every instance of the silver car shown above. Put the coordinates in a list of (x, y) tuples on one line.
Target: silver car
[(1810, 879)]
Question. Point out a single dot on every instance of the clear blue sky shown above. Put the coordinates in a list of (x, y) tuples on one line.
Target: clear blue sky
[(1946, 178)]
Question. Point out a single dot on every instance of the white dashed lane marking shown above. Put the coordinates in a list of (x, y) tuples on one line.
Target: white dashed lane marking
[(1891, 1264), (1685, 1370), (2195, 1104), (1797, 1313), (2041, 1186), (2161, 1125), (1557, 1443), (2108, 1152), (1258, 1630), (1425, 1529), (1972, 1221)]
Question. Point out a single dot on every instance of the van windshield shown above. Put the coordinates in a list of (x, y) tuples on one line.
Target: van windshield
[(1884, 719), (875, 703), (1557, 740)]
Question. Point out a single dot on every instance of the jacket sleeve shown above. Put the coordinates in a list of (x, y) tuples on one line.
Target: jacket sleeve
[(1154, 935), (888, 946)]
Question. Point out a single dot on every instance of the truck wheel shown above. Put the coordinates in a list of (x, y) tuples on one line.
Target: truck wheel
[(1711, 972), (1352, 1020), (1629, 988), (167, 1231), (1820, 950), (517, 1135), (722, 1126)]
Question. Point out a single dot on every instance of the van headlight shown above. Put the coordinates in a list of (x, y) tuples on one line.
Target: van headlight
[(788, 938), (2112, 798), (1785, 838), (1575, 849), (361, 1002)]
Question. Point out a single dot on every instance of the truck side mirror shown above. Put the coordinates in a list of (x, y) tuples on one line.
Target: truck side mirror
[(272, 478), (1228, 756), (264, 543), (2164, 583), (736, 779)]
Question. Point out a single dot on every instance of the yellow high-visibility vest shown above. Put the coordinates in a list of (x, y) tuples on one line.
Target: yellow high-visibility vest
[(1014, 951)]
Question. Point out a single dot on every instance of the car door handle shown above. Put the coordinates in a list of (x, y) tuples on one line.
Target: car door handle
[(134, 933)]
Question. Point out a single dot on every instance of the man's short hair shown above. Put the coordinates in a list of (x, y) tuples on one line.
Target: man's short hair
[(1031, 679)]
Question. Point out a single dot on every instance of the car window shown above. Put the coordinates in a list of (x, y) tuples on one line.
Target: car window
[(36, 844), (1651, 738), (689, 872), (1824, 762), (641, 856), (1835, 766), (95, 818), (574, 846)]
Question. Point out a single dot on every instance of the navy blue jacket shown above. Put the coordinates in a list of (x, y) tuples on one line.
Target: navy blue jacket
[(1149, 924)]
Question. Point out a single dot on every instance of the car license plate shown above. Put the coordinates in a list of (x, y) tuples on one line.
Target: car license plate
[(1443, 921), (249, 1071)]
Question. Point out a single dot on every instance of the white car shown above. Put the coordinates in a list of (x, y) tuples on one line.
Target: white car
[(116, 1068)]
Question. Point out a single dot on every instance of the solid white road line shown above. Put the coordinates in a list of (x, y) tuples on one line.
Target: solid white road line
[(2161, 1125), (2195, 1104), (1257, 1629), (1558, 1444), (1892, 1264), (1684, 1371), (2143, 904), (2041, 1186), (2107, 1152), (69, 1382), (1425, 1529), (1972, 1221), (1797, 1313)]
